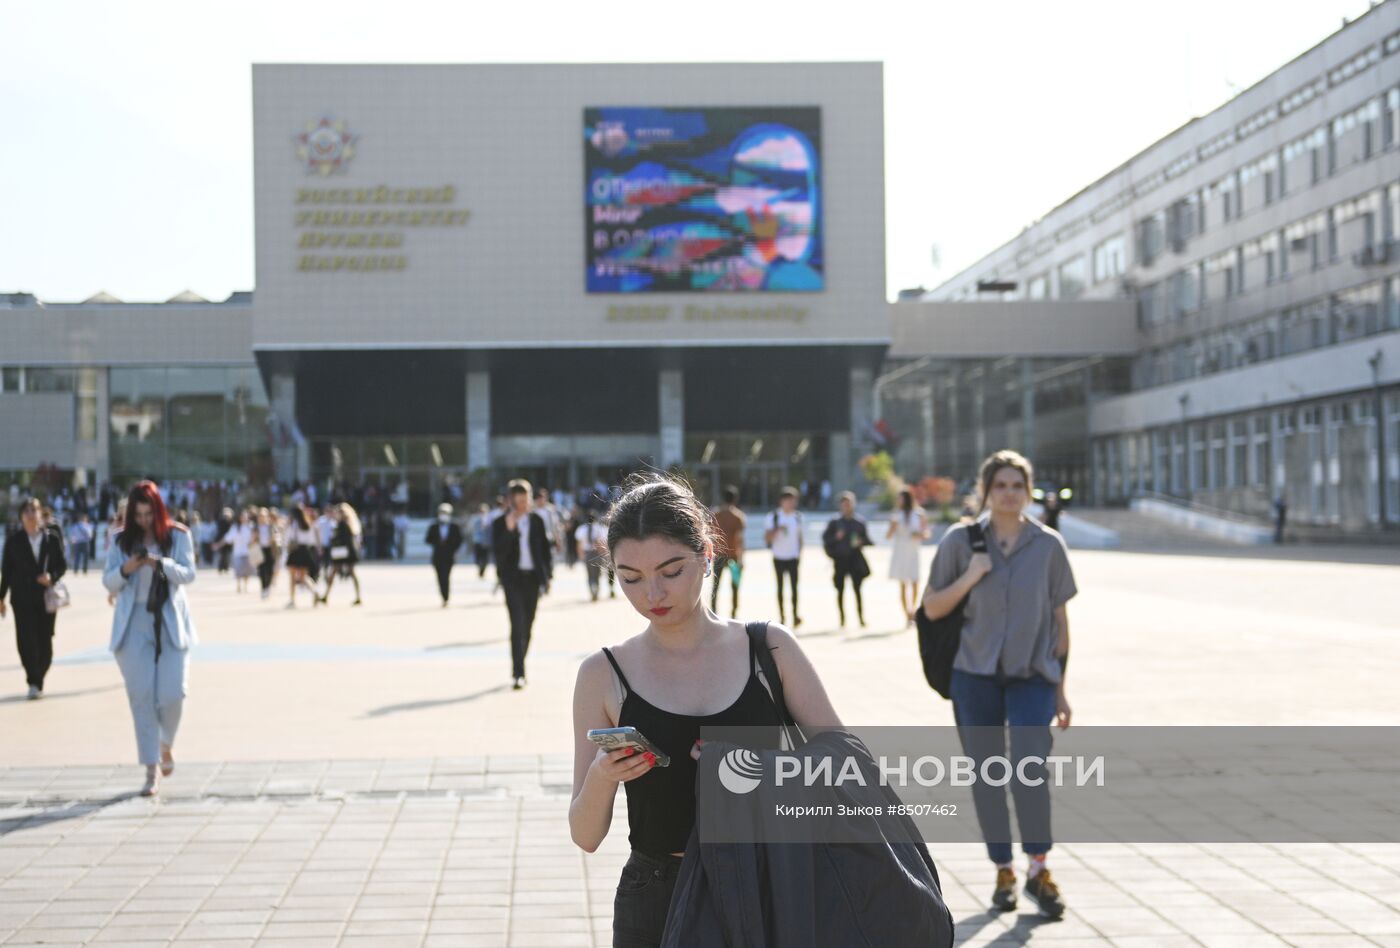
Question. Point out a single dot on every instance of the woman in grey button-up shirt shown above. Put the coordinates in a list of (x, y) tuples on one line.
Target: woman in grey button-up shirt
[(1010, 665)]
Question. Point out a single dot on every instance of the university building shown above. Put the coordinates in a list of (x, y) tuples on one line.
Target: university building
[(1259, 247), (563, 272)]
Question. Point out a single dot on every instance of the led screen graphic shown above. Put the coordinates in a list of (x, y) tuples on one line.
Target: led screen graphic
[(722, 199)]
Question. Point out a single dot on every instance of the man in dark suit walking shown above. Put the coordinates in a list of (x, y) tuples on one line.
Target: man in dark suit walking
[(524, 565), (445, 538)]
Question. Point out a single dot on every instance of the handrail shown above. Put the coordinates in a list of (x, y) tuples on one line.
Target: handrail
[(1232, 515)]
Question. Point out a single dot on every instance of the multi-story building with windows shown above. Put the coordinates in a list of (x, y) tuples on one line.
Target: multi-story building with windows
[(1261, 245)]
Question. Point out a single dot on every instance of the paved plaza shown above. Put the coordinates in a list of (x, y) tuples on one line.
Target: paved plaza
[(365, 776)]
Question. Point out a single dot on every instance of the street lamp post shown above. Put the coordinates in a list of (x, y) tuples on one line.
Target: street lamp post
[(1184, 399), (1379, 414)]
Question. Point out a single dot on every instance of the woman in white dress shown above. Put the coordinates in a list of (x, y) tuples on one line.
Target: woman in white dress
[(240, 538), (908, 529)]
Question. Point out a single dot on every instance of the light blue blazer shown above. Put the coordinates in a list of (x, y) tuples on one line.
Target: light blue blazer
[(179, 568)]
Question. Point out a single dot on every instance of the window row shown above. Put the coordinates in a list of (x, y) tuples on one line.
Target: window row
[(29, 379), (1354, 136), (187, 402), (1362, 229), (1351, 137), (1338, 318), (81, 382), (1108, 261), (1320, 458)]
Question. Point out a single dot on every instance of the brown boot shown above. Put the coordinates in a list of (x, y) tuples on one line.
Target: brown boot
[(1004, 895)]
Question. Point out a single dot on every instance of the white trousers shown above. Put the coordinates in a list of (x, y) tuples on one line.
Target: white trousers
[(155, 688)]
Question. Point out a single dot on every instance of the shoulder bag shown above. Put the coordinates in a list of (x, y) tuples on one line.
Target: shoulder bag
[(860, 566), (758, 635), (939, 638), (340, 551), (55, 595)]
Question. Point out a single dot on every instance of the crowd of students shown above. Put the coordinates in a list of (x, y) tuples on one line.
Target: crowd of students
[(662, 547)]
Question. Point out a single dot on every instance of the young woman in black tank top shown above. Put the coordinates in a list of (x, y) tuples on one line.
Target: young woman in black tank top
[(686, 669)]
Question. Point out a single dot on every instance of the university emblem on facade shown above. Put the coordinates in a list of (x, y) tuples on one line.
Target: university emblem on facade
[(325, 146)]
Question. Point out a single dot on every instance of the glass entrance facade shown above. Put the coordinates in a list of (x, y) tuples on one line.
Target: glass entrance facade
[(760, 464), (203, 423), (416, 471)]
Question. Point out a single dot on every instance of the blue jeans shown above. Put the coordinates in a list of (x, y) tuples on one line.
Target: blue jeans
[(983, 705)]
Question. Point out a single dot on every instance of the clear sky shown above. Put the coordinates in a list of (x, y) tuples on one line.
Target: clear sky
[(126, 127)]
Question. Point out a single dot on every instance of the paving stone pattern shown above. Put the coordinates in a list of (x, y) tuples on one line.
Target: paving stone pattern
[(475, 851)]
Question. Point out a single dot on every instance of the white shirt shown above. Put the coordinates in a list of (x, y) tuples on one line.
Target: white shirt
[(144, 575), (326, 526), (264, 534), (907, 526), (242, 537), (590, 535), (35, 541), (787, 543), (547, 515), (527, 562)]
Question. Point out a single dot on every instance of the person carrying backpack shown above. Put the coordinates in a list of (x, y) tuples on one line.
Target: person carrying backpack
[(1009, 666), (782, 531)]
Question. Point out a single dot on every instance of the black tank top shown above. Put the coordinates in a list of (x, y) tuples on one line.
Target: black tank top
[(661, 803)]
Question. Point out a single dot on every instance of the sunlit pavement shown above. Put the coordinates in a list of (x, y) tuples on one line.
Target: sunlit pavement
[(366, 776)]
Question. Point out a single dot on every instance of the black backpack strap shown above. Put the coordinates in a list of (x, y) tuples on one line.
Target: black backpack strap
[(977, 537), (758, 642)]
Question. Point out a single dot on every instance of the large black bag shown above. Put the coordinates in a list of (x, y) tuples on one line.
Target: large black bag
[(939, 638)]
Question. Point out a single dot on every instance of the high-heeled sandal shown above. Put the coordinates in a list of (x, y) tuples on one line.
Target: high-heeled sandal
[(167, 761), (151, 787)]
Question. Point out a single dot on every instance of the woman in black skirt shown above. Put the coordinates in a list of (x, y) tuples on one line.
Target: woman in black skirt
[(344, 551), (303, 553)]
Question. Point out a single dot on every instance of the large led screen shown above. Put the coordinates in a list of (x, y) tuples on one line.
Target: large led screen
[(722, 199)]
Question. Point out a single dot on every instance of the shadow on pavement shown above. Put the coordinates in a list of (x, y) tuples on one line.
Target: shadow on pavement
[(476, 644), (59, 813), (423, 610), (55, 695), (875, 635), (1021, 933), (435, 703)]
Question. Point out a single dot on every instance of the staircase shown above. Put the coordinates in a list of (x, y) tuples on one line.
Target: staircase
[(1140, 532)]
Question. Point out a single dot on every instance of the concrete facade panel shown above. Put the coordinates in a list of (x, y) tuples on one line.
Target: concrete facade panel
[(509, 141)]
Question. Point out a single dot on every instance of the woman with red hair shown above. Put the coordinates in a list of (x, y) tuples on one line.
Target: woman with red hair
[(148, 567)]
